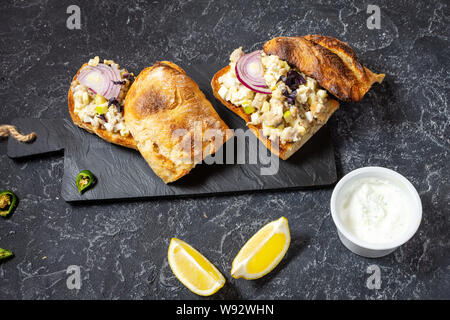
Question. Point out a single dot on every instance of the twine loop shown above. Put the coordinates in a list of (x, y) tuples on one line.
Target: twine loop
[(9, 130)]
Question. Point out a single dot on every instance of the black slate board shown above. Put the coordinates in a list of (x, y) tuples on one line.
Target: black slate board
[(122, 173)]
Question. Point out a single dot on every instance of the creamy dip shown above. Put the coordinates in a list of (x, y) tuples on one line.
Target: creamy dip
[(375, 210)]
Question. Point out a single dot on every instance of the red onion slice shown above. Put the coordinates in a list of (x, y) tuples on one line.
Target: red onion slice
[(100, 79), (250, 72)]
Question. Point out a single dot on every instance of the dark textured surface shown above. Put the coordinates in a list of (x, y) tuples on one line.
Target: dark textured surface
[(123, 174), (121, 248)]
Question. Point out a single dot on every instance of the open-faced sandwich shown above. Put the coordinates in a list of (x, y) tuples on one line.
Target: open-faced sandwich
[(174, 125), (281, 91), (96, 98)]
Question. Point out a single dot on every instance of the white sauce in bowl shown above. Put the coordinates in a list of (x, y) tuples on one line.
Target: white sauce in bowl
[(375, 210)]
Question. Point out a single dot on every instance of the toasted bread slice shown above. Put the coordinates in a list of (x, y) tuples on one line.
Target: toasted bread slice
[(112, 137), (282, 150), (171, 119), (329, 61)]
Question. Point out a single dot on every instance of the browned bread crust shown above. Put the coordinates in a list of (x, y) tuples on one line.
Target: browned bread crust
[(282, 150), (328, 60), (102, 133), (161, 101)]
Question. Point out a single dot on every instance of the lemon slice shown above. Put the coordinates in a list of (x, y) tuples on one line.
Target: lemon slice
[(193, 269), (262, 253)]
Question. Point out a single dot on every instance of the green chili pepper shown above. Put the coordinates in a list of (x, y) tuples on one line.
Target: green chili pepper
[(85, 180), (8, 202), (5, 253)]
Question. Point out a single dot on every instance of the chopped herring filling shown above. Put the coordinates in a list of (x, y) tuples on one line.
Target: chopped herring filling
[(295, 104), (95, 109)]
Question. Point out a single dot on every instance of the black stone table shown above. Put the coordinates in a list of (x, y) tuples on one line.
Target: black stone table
[(121, 248)]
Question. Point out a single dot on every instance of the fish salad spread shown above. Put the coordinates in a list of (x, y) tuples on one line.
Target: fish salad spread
[(284, 101), (99, 92)]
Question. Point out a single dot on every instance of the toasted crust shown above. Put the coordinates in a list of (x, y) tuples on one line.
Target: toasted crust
[(328, 60), (282, 150), (168, 114), (102, 133)]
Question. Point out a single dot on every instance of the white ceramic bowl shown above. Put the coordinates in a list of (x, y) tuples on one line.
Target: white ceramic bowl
[(363, 248)]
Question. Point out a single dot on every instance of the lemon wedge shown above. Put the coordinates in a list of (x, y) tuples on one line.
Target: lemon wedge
[(193, 269), (262, 253)]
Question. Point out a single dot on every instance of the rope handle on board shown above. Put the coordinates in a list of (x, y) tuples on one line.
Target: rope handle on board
[(9, 130)]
